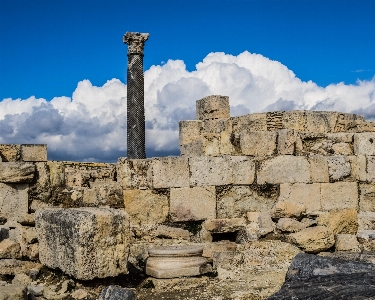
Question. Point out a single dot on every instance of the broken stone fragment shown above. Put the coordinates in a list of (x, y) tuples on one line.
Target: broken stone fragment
[(285, 209), (290, 225), (313, 239), (346, 242)]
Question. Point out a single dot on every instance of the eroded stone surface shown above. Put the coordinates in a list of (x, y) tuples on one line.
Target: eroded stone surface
[(16, 172), (85, 243), (313, 239), (213, 107), (34, 152)]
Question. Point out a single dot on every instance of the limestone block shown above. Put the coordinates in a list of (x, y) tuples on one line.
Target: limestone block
[(9, 249), (190, 131), (286, 141), (319, 168), (211, 144), (243, 169), (135, 173), (348, 122), (213, 107), (320, 121), (344, 221), (104, 193), (172, 232), (367, 197), (236, 201), (339, 195), (210, 171), (170, 172), (85, 243), (313, 239), (342, 149), (16, 172), (364, 143), (136, 202), (221, 246), (34, 152), (346, 242), (284, 169), (294, 120), (251, 122), (9, 152), (192, 204), (290, 225), (371, 168), (258, 143), (358, 167), (192, 149), (13, 200), (263, 221), (224, 225), (217, 137), (301, 193), (13, 291), (285, 209), (338, 167), (366, 220), (341, 137)]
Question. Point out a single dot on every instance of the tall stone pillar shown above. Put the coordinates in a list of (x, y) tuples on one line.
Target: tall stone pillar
[(135, 99)]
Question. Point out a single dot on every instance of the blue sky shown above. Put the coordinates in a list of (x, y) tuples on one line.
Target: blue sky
[(48, 47)]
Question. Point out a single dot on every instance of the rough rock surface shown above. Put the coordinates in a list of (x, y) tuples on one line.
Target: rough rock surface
[(84, 243), (113, 292), (314, 277), (313, 239), (16, 172), (13, 292)]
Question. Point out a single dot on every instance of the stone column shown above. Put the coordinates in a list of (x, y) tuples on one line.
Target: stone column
[(135, 98)]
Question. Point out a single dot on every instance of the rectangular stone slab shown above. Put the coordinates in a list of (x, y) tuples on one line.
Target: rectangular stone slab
[(84, 242)]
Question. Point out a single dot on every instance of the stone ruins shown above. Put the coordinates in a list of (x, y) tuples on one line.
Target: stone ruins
[(248, 198)]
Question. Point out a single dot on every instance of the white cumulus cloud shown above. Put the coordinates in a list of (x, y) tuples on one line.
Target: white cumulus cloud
[(91, 124)]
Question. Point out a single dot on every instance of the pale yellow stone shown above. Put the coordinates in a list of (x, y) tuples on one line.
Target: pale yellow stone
[(258, 143), (210, 171), (31, 152), (213, 107), (192, 204), (294, 120), (313, 239), (286, 141), (367, 197), (343, 221), (364, 143), (342, 149), (224, 225), (319, 168), (9, 152), (301, 193), (135, 173), (251, 122), (170, 172), (290, 225), (338, 167), (285, 209), (371, 168), (136, 202), (189, 131), (9, 249), (358, 167), (339, 195), (346, 242)]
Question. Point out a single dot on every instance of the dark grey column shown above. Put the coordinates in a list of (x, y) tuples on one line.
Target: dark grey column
[(135, 99)]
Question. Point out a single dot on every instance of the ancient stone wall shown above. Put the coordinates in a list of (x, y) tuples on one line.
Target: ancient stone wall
[(303, 178)]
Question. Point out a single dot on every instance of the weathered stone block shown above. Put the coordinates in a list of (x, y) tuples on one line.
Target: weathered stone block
[(286, 141), (170, 172), (346, 242), (13, 291), (236, 201), (172, 232), (216, 135), (338, 167), (13, 201), (285, 209), (343, 221), (192, 204), (284, 169), (210, 171), (341, 137), (290, 225), (252, 122), (243, 169), (192, 149), (367, 197), (16, 172), (222, 246), (104, 193), (262, 220), (371, 168), (339, 195), (294, 120), (342, 149), (9, 152), (320, 121), (134, 173), (34, 152), (224, 225), (258, 143), (313, 239), (364, 143), (85, 243), (211, 144), (358, 167), (366, 220), (319, 168), (146, 206), (301, 193), (213, 107), (190, 131)]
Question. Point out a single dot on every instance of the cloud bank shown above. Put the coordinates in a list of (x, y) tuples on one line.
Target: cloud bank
[(91, 124)]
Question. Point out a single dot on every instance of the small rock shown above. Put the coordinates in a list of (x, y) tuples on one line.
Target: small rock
[(285, 209), (36, 290), (9, 249), (113, 292), (346, 242), (79, 294), (290, 225), (21, 279)]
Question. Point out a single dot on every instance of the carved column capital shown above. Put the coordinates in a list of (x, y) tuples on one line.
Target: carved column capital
[(135, 41)]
